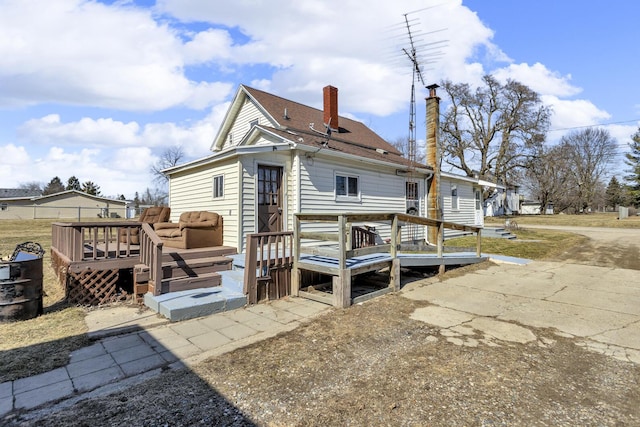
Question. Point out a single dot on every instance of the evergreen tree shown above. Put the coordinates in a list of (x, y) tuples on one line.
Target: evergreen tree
[(54, 186), (73, 183), (90, 188), (633, 161), (615, 194)]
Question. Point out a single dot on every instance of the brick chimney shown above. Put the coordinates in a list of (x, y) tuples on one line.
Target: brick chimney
[(330, 94)]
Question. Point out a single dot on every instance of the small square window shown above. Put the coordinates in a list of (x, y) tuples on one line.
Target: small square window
[(218, 186), (347, 186)]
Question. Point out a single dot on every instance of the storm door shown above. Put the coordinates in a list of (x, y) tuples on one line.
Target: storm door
[(269, 198)]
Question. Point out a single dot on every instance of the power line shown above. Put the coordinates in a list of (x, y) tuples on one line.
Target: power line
[(594, 126)]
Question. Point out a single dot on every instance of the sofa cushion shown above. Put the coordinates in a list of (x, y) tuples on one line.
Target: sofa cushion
[(155, 214), (199, 219), (169, 232)]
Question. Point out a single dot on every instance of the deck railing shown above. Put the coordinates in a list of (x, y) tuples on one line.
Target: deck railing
[(151, 256), (345, 248), (268, 261), (93, 241)]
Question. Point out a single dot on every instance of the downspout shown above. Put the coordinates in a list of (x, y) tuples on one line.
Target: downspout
[(434, 210), (239, 206)]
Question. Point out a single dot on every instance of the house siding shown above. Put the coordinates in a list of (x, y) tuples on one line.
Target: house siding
[(64, 206), (248, 113), (193, 191), (466, 211), (380, 191)]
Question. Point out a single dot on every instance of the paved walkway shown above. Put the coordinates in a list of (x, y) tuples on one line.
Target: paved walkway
[(598, 306), (132, 346)]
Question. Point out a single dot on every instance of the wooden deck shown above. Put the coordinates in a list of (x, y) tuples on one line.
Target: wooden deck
[(316, 252), (93, 260)]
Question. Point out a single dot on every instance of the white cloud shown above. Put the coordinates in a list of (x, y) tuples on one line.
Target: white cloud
[(81, 52), (539, 78), (49, 130), (573, 113)]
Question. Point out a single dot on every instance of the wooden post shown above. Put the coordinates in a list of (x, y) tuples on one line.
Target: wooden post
[(479, 243), (342, 289), (250, 264), (441, 246), (394, 236), (342, 248), (394, 275), (295, 272)]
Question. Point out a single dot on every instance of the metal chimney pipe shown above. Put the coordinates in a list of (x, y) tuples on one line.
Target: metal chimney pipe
[(434, 210)]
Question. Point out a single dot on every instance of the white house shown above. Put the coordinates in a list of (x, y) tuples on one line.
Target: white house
[(273, 157)]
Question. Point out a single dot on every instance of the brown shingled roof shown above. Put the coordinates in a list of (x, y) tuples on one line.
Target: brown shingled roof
[(353, 137)]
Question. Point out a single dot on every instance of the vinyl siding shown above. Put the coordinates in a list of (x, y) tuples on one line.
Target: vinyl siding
[(465, 213), (380, 191), (248, 113), (193, 191)]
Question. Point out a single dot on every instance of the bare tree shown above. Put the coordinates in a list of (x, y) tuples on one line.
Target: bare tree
[(401, 144), (493, 130), (32, 186), (589, 152), (169, 158), (546, 177)]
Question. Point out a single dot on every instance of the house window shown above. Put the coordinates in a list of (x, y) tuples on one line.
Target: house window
[(454, 197), (218, 186), (347, 186), (4, 206), (230, 139), (412, 191), (478, 200)]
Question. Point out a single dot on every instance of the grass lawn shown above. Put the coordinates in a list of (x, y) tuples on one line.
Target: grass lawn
[(584, 220), (44, 343)]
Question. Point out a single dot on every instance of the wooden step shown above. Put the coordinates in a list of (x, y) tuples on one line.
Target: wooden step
[(170, 254), (206, 280), (195, 267)]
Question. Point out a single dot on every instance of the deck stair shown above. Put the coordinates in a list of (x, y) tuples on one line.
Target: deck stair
[(198, 283)]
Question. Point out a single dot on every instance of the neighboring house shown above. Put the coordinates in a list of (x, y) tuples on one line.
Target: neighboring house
[(273, 157), (503, 201), (70, 204), (534, 207)]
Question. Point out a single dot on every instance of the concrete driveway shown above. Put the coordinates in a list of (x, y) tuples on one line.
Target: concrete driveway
[(598, 306)]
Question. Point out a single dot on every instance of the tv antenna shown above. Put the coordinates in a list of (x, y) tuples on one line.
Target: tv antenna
[(412, 54)]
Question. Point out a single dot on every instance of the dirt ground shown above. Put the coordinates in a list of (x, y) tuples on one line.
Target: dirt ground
[(373, 365)]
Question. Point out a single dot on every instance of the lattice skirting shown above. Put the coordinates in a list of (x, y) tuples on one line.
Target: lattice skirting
[(94, 287)]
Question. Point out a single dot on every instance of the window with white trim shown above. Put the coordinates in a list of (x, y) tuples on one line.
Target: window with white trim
[(347, 186), (218, 186)]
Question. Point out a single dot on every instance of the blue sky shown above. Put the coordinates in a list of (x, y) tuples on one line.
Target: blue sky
[(100, 89)]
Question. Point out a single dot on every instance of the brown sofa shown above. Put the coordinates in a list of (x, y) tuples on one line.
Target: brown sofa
[(196, 229), (152, 215)]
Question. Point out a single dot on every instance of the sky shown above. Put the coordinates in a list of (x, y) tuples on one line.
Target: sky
[(100, 89)]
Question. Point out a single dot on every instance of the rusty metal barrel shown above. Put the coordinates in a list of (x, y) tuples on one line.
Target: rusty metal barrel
[(20, 289)]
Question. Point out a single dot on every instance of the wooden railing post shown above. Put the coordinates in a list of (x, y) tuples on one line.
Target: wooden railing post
[(295, 272), (479, 243)]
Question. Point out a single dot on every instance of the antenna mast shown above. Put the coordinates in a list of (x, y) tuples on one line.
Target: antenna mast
[(416, 75)]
